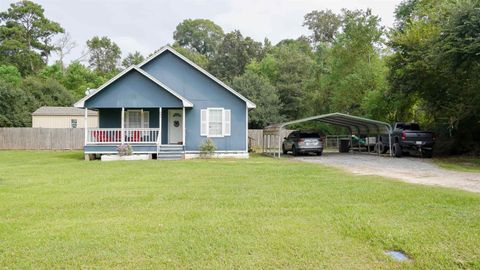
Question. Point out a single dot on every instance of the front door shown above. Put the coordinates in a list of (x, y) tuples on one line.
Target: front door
[(175, 126)]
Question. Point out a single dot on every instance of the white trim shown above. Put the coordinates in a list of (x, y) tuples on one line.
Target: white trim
[(183, 126), (243, 155), (246, 129), (250, 104), (218, 151), (81, 102), (159, 139), (86, 125), (122, 132)]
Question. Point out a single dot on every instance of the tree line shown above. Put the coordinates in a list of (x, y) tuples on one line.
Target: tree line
[(423, 69)]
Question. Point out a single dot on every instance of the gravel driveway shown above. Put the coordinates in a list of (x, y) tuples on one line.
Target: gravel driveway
[(408, 169)]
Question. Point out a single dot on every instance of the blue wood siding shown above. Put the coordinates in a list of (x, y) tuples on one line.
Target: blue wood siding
[(133, 90), (204, 93)]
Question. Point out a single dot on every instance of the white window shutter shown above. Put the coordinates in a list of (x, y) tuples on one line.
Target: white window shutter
[(203, 122), (227, 123)]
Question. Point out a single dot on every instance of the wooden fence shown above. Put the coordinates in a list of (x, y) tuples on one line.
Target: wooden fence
[(73, 138), (255, 137), (42, 138)]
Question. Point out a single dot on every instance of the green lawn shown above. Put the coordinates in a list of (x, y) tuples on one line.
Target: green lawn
[(57, 211), (463, 163)]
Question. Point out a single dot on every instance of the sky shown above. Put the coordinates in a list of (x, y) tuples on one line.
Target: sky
[(146, 25)]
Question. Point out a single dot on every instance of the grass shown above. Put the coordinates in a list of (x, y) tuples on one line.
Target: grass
[(461, 163), (57, 211)]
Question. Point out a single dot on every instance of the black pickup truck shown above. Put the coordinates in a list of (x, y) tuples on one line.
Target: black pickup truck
[(408, 138)]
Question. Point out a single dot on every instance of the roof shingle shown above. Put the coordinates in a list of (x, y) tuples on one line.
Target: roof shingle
[(66, 111)]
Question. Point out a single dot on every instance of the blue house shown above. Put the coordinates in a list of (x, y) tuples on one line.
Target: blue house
[(167, 106)]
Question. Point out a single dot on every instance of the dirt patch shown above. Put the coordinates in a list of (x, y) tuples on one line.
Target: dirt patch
[(408, 169)]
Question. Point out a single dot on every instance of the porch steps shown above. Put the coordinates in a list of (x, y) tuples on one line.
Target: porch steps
[(170, 152)]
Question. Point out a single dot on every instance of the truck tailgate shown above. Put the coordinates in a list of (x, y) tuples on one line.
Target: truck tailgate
[(418, 136)]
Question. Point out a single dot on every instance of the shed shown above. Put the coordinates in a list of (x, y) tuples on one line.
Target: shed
[(62, 117), (272, 139)]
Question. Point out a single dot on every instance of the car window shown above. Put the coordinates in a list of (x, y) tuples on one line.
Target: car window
[(309, 135)]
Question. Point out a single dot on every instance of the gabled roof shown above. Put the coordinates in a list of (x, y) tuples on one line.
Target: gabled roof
[(81, 102), (250, 104), (62, 111)]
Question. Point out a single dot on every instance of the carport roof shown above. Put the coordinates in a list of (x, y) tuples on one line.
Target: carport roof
[(355, 124)]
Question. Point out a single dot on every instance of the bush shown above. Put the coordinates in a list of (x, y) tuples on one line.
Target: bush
[(207, 149), (124, 150)]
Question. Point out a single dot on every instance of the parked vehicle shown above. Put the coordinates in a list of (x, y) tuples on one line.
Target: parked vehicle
[(303, 142), (408, 138)]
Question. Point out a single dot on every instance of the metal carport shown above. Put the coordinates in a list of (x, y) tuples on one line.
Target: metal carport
[(359, 125)]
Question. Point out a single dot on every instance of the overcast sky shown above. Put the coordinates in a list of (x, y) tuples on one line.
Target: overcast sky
[(145, 25)]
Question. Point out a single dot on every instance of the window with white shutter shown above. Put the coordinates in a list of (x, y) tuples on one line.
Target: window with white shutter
[(204, 122), (226, 123), (215, 122)]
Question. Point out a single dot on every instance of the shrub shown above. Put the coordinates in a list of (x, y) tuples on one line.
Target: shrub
[(207, 148), (124, 150)]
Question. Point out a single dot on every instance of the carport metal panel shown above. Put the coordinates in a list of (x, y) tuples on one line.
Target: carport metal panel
[(362, 125)]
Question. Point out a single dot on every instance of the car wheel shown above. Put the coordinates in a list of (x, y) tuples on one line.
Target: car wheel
[(397, 150), (285, 151), (319, 153), (294, 151), (379, 148)]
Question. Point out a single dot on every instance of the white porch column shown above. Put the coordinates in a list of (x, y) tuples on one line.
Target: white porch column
[(122, 133), (183, 126), (159, 139), (85, 125)]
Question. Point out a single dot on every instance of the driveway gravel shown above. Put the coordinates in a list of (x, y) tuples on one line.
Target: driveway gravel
[(408, 169)]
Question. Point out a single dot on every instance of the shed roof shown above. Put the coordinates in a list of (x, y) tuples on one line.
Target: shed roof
[(62, 111), (355, 124)]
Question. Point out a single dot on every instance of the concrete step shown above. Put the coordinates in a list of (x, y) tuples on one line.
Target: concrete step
[(170, 152), (169, 157)]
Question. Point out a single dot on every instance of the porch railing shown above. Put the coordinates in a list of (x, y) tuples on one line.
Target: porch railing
[(114, 135)]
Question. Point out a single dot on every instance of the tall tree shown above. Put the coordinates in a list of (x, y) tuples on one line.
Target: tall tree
[(193, 56), (63, 47), (25, 36), (78, 79), (259, 90), (104, 55), (436, 60), (234, 53), (132, 59), (295, 66), (200, 35), (324, 24)]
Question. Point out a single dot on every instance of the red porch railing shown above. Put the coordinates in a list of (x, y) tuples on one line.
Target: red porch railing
[(114, 135)]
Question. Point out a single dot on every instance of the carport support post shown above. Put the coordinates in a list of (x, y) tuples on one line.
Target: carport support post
[(378, 144), (278, 136), (351, 141), (390, 143), (367, 140)]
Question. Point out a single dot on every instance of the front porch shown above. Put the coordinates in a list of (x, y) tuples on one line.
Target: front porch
[(146, 130)]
